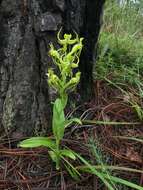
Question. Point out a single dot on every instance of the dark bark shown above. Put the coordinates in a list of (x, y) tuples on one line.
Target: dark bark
[(27, 27), (85, 17)]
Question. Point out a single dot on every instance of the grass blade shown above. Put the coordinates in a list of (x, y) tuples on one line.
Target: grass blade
[(125, 182), (99, 167), (130, 138), (109, 122), (94, 171)]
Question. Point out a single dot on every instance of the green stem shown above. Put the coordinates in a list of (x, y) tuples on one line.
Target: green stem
[(57, 154)]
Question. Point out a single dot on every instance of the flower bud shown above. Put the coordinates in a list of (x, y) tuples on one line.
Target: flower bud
[(74, 65)]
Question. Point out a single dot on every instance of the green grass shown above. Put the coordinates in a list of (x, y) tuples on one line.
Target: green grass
[(120, 58), (121, 45), (107, 174), (123, 20), (120, 64)]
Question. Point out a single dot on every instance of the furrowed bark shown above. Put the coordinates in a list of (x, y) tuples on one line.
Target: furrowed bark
[(27, 27), (85, 17)]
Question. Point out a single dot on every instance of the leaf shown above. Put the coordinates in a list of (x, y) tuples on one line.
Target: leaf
[(140, 140), (68, 153), (96, 122), (64, 99), (58, 120), (36, 142), (116, 179), (73, 120), (71, 169), (53, 156), (120, 168), (95, 172), (125, 182), (73, 172)]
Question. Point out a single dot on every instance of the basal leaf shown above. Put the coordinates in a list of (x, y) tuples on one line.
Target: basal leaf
[(68, 153), (53, 156), (36, 142)]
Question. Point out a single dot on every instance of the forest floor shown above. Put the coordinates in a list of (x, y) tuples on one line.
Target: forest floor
[(33, 170)]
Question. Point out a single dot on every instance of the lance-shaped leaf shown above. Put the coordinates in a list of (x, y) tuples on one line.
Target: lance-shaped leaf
[(68, 153), (37, 141), (58, 120)]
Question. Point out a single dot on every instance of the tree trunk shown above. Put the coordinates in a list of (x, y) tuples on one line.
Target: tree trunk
[(85, 17), (27, 27)]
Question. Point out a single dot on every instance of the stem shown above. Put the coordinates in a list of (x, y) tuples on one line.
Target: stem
[(64, 99), (57, 154)]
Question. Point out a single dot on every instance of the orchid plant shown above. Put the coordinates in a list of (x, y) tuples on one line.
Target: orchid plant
[(66, 59)]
